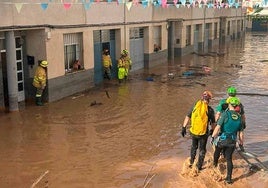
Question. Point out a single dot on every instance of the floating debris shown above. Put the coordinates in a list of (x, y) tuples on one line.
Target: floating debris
[(149, 79), (107, 94), (95, 103)]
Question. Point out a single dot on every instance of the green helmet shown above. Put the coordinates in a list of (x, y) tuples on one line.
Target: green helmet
[(234, 101), (231, 91)]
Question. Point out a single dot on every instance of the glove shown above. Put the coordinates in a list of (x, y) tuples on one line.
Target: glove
[(244, 125), (210, 132), (242, 147), (212, 141), (183, 131)]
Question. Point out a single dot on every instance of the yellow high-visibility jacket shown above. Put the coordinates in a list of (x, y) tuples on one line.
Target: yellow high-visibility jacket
[(121, 63), (106, 60), (128, 62), (40, 77)]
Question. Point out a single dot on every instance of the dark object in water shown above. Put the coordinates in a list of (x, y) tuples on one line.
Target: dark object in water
[(95, 103), (107, 94), (188, 73), (149, 79), (253, 94), (247, 156), (236, 66)]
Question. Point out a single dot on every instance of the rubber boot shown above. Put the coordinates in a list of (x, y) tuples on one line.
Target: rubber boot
[(39, 101), (228, 179)]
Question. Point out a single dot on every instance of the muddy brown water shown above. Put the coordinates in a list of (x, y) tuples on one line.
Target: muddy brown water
[(128, 135)]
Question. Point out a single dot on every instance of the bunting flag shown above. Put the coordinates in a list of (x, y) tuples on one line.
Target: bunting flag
[(18, 6), (128, 5), (183, 2), (210, 5), (135, 2), (44, 6), (144, 3), (67, 4), (164, 4), (87, 5)]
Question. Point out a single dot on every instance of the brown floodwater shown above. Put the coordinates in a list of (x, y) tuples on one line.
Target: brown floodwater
[(128, 135)]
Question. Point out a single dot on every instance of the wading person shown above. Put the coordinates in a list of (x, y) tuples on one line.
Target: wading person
[(223, 105), (230, 127), (128, 63), (121, 68), (39, 81), (107, 64), (201, 116)]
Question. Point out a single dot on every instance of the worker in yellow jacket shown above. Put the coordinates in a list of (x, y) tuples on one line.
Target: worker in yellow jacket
[(107, 64), (121, 68), (39, 81), (128, 62)]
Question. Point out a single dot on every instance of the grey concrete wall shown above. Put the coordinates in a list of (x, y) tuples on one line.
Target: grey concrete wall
[(155, 58), (69, 84)]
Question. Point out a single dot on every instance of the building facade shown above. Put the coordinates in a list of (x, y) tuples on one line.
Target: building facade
[(62, 36)]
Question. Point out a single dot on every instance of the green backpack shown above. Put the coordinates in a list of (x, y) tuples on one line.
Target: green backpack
[(199, 118)]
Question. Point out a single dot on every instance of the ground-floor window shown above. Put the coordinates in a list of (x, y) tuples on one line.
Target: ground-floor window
[(188, 35), (215, 30), (157, 38), (73, 52)]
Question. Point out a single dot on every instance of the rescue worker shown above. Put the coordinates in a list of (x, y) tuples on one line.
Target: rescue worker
[(199, 140), (223, 105), (128, 62), (107, 64), (229, 127), (39, 81), (121, 68)]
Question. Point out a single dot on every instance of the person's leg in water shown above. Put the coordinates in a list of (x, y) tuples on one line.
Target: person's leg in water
[(202, 151), (193, 150), (107, 73), (216, 156), (228, 155)]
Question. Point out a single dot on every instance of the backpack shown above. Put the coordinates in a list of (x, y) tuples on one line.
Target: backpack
[(199, 118)]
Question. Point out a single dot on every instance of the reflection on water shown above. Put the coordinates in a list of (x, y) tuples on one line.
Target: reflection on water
[(133, 127)]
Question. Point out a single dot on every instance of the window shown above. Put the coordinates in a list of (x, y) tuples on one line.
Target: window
[(228, 28), (188, 35), (157, 38), (73, 52), (135, 33), (215, 30)]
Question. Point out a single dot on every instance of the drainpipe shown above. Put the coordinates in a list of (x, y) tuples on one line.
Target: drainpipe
[(11, 71), (171, 38)]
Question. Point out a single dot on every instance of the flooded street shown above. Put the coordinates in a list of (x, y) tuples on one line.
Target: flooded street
[(124, 136)]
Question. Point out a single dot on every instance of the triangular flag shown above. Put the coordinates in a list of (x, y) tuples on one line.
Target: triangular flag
[(144, 3), (135, 2), (44, 6), (18, 6), (67, 5), (183, 2), (164, 3), (87, 5), (128, 5)]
